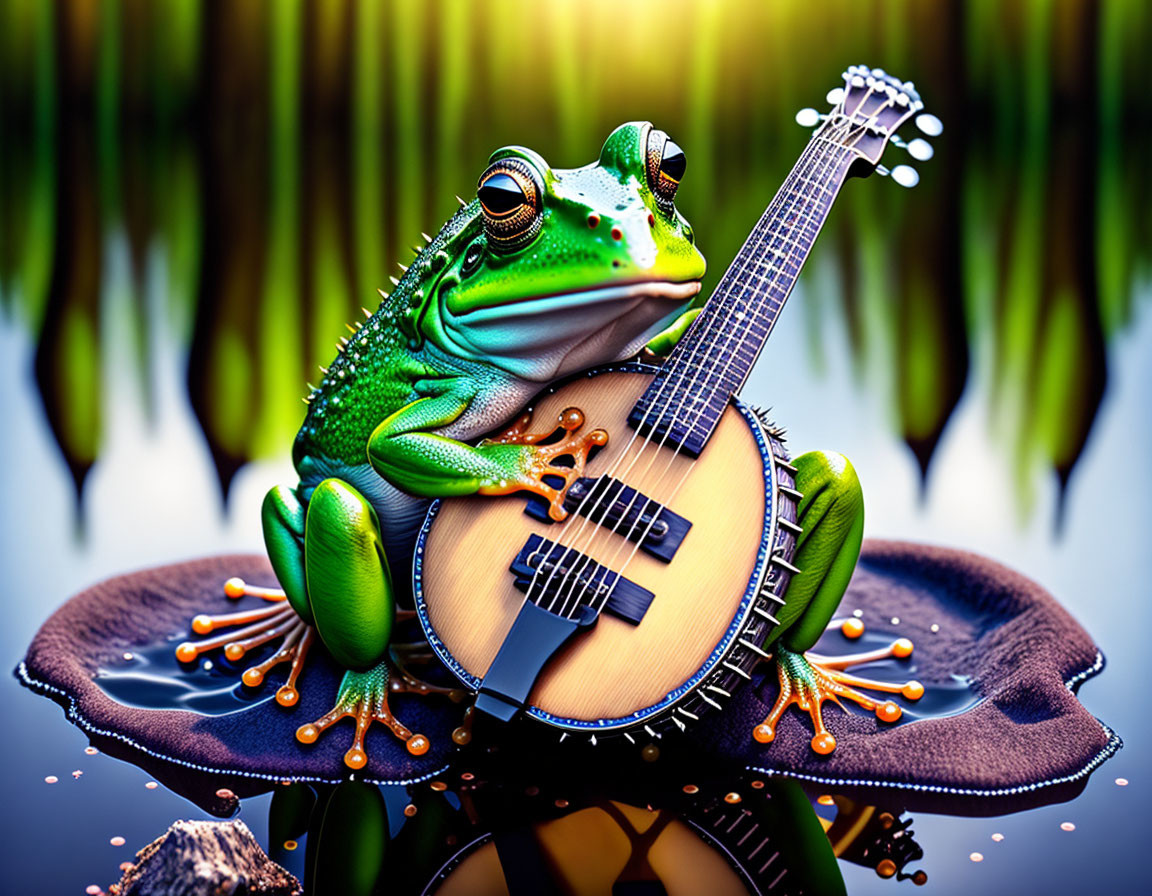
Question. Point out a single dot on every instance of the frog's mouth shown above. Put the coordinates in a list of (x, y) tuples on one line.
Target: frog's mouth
[(547, 335), (676, 291)]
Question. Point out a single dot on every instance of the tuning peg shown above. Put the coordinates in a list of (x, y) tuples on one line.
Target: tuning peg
[(807, 118), (905, 175), (930, 124), (835, 95), (920, 150)]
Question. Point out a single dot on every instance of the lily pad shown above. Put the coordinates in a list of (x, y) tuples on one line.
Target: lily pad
[(1004, 655), (1021, 654)]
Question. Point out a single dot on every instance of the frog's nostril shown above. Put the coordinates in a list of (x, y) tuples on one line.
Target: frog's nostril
[(615, 262), (593, 220), (617, 234), (651, 219)]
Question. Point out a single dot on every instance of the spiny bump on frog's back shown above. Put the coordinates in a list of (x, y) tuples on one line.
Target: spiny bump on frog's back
[(376, 365)]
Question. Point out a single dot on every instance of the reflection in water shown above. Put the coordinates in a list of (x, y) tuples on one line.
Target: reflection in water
[(872, 836), (266, 163), (507, 829), (504, 830), (152, 678)]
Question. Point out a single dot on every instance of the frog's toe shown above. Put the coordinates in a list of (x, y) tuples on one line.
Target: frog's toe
[(403, 681), (363, 697), (809, 681), (248, 629)]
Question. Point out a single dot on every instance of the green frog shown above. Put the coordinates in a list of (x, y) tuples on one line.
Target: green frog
[(544, 273)]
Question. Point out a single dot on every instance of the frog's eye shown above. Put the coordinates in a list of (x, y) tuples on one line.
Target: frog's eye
[(509, 193), (665, 163)]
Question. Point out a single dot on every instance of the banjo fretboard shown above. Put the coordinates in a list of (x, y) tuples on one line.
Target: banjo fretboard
[(710, 364)]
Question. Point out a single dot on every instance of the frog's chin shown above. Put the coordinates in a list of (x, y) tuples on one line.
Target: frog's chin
[(546, 337)]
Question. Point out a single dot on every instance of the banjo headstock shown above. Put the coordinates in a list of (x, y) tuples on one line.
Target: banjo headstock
[(865, 116)]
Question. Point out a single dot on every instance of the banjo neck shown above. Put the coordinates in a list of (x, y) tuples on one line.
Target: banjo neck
[(685, 401)]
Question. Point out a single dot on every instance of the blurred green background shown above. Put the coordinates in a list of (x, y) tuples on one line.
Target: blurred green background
[(263, 164)]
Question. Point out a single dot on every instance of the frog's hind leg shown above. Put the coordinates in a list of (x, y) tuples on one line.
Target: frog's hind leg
[(287, 618), (351, 599), (831, 515)]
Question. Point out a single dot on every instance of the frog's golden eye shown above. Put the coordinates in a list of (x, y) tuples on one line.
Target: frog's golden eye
[(665, 164), (509, 193)]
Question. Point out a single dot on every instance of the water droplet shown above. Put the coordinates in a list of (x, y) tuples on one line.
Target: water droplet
[(825, 800), (290, 845), (690, 789), (51, 779), (91, 751), (94, 890), (225, 794), (895, 620), (438, 786), (117, 841), (976, 856), (151, 785), (561, 804), (77, 773), (128, 657), (857, 613), (1121, 782), (997, 837), (934, 628), (1067, 826), (732, 798)]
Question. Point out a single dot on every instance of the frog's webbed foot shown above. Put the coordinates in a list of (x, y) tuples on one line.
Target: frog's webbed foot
[(808, 680), (248, 629), (363, 697), (535, 461), (404, 682)]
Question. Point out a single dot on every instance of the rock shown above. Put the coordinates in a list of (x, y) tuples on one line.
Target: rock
[(205, 858)]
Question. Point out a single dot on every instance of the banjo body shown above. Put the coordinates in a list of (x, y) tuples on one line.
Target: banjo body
[(713, 603)]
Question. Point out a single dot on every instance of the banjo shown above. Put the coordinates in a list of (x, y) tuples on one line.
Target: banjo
[(649, 603)]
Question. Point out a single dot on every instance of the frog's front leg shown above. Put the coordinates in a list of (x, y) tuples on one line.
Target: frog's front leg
[(662, 343), (425, 463), (831, 515)]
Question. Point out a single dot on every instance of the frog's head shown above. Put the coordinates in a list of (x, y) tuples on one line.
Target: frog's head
[(551, 271)]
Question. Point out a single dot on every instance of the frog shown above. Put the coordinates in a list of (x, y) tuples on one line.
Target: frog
[(544, 273)]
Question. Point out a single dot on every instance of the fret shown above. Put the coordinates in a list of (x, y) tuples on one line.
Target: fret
[(685, 401)]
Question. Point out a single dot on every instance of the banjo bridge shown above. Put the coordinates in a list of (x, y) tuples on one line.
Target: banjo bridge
[(556, 576), (629, 513)]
